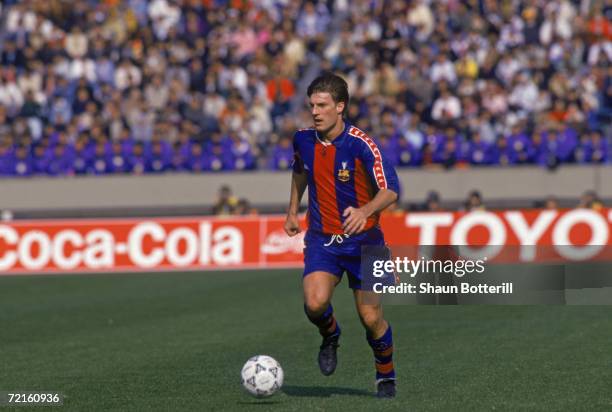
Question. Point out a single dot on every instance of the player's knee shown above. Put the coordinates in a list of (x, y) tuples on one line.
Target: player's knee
[(371, 319), (316, 305)]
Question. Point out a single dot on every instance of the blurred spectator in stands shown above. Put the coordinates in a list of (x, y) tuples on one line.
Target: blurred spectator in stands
[(243, 207), (282, 156), (592, 148), (141, 68), (312, 24), (474, 201), (387, 144), (519, 144), (280, 90), (446, 108), (551, 203), (432, 202), (590, 200), (240, 154), (20, 162), (479, 152), (226, 202), (6, 215), (443, 70)]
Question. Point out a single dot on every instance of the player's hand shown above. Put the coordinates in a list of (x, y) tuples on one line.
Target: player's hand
[(292, 225), (355, 221)]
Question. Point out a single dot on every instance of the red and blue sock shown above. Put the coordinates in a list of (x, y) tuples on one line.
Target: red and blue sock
[(326, 322), (383, 354)]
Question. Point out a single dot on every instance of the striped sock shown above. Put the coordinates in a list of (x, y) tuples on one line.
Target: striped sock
[(383, 354), (326, 322)]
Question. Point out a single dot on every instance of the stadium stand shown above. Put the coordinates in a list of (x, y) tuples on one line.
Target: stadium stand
[(133, 87)]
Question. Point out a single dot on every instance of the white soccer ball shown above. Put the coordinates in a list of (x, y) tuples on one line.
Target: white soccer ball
[(262, 376)]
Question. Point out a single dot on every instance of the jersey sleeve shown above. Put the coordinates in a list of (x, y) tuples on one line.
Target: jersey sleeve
[(297, 164), (382, 174)]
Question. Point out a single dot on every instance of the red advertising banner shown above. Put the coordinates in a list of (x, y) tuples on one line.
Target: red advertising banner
[(199, 243)]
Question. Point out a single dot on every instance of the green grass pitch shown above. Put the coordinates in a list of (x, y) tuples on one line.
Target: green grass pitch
[(178, 342)]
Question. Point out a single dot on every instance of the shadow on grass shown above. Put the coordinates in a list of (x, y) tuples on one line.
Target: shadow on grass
[(323, 391), (260, 402)]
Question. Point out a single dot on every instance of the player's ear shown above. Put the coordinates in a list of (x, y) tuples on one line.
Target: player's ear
[(340, 107)]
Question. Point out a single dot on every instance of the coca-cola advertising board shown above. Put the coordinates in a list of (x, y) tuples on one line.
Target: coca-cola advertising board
[(201, 243)]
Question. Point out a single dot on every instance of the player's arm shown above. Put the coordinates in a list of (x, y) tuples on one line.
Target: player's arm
[(383, 176), (298, 186), (299, 181), (356, 218)]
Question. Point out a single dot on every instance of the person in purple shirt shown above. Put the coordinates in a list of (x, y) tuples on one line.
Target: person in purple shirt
[(127, 142), (215, 159), (435, 140), (601, 151), (83, 152), (158, 159), (519, 145), (5, 156), (387, 143), (115, 158), (536, 147), (502, 154), (98, 164), (479, 152), (408, 154), (20, 163), (182, 149), (557, 147), (448, 153), (195, 160), (241, 155), (567, 140), (159, 145), (592, 148), (137, 159), (61, 163), (283, 155), (42, 155), (179, 156), (218, 153)]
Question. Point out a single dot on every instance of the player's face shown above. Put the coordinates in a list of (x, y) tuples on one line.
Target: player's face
[(325, 112)]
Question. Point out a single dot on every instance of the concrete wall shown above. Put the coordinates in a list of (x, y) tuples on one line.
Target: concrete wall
[(268, 188)]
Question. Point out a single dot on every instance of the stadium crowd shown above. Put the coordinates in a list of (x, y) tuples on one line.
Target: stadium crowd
[(137, 86)]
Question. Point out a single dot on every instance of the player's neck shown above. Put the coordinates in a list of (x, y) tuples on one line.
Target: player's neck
[(334, 132)]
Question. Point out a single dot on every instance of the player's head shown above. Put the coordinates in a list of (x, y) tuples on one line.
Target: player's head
[(328, 97)]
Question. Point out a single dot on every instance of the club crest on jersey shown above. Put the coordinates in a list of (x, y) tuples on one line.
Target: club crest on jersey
[(344, 175)]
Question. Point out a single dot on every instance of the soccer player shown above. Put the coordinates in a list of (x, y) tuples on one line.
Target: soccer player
[(349, 184)]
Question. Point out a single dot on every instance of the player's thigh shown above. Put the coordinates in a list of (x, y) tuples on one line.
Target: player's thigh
[(319, 287)]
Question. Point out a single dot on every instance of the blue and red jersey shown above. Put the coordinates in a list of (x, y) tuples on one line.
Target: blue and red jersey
[(348, 171)]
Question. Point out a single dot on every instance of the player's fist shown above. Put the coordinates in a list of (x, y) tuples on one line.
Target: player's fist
[(355, 220), (292, 225)]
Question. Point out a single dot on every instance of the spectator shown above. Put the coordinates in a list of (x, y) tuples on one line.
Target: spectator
[(590, 200), (226, 203), (474, 201), (551, 203), (283, 155), (432, 202), (243, 207), (446, 108), (129, 71)]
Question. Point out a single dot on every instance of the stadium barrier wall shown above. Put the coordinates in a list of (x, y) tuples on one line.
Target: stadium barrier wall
[(200, 243), (264, 188)]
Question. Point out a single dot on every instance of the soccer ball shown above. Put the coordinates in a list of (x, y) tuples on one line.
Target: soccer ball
[(262, 376)]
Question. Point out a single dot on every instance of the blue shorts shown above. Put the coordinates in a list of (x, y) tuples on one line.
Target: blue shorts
[(337, 254)]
